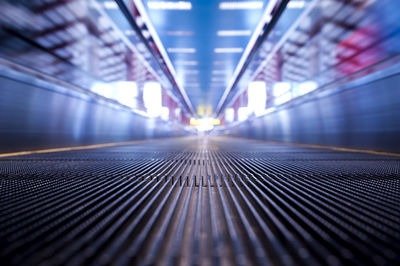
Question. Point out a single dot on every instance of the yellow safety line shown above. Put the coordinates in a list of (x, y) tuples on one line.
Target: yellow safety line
[(346, 149), (94, 146), (330, 147)]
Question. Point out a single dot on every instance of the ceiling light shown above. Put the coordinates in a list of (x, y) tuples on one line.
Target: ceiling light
[(228, 50), (218, 79), (169, 5), (190, 72), (110, 5), (186, 63), (220, 63), (296, 4), (218, 72), (193, 84), (181, 50), (179, 33), (193, 79), (233, 32), (241, 5)]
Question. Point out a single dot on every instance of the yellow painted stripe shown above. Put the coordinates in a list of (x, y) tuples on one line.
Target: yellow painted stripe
[(330, 148), (96, 146), (86, 147), (346, 149)]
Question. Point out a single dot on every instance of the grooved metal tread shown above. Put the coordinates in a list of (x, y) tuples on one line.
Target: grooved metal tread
[(207, 201)]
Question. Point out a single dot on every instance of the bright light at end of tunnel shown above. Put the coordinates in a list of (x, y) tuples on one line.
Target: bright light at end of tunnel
[(205, 124)]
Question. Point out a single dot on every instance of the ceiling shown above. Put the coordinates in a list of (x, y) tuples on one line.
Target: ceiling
[(196, 47)]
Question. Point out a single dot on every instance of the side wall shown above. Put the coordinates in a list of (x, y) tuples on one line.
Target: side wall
[(362, 115), (37, 117)]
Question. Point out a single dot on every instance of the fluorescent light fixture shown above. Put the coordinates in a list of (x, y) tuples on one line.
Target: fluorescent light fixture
[(257, 97), (282, 92), (233, 32), (126, 93), (193, 84), (191, 79), (218, 79), (164, 113), (179, 33), (177, 112), (283, 98), (152, 98), (306, 87), (241, 5), (186, 63), (110, 5), (228, 50), (192, 72), (181, 50), (169, 5), (103, 89), (243, 113), (229, 115), (281, 88), (296, 4), (218, 72), (213, 86), (220, 63)]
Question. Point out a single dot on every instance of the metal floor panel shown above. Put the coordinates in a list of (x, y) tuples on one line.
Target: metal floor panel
[(208, 201)]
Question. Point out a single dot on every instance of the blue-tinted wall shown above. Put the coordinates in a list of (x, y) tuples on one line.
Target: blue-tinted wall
[(33, 116), (363, 114)]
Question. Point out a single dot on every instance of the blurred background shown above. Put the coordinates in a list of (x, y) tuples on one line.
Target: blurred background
[(78, 72), (129, 128)]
